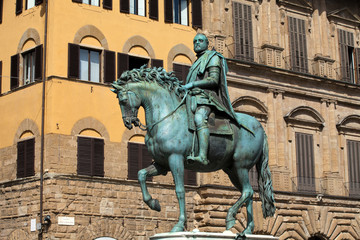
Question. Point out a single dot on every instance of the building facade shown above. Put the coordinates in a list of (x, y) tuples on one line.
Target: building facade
[(64, 152)]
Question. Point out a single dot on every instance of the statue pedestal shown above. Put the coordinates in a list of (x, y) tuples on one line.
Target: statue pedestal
[(206, 236)]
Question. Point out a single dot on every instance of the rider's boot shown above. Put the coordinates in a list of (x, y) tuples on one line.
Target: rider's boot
[(203, 134)]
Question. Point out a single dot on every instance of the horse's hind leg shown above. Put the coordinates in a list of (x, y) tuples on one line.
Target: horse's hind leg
[(240, 178), (153, 170)]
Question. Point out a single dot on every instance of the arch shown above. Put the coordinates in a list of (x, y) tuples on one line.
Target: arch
[(105, 227), (19, 234), (138, 41), (305, 116), (27, 125), (252, 106), (91, 31), (350, 123), (90, 123), (30, 33), (177, 50)]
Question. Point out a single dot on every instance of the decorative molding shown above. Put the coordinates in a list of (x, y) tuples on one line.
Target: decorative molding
[(179, 49), (313, 118), (345, 15), (349, 124), (303, 5), (251, 106), (140, 41), (90, 123), (91, 31), (27, 125), (30, 33)]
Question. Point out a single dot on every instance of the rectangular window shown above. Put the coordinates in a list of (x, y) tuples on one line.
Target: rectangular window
[(30, 4), (29, 67), (137, 7), (89, 65), (305, 162), (180, 12), (298, 53), (90, 156), (25, 158), (349, 57), (243, 35), (353, 149), (92, 2)]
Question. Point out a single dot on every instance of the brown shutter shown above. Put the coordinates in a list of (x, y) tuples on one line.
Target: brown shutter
[(107, 4), (297, 33), (196, 13), (1, 10), (146, 159), (73, 61), (305, 162), (353, 148), (122, 64), (168, 8), (38, 62), (157, 63), (190, 178), (109, 66), (77, 1), (243, 32), (14, 71), (0, 76), (38, 2), (25, 158), (154, 9), (98, 157), (357, 65), (84, 156), (181, 71), (346, 42), (134, 160), (124, 6), (253, 177), (19, 5)]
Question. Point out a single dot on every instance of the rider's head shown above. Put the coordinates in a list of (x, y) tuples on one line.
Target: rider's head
[(201, 43)]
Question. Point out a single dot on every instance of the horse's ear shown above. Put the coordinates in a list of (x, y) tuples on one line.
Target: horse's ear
[(117, 87)]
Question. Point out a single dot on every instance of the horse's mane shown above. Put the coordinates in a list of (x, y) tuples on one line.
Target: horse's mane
[(165, 79)]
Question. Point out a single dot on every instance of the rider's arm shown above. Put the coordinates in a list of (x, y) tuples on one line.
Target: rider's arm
[(211, 81)]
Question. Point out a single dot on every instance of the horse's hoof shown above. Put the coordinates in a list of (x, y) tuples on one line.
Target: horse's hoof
[(230, 224), (154, 204), (178, 228)]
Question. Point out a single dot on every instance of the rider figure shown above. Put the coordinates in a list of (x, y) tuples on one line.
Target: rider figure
[(206, 81)]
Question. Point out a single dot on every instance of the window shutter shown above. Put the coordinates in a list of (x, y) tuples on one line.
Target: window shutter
[(19, 5), (98, 157), (181, 71), (84, 156), (14, 71), (38, 2), (38, 62), (190, 178), (154, 9), (346, 40), (243, 32), (107, 4), (146, 159), (134, 160), (20, 173), (73, 61), (77, 1), (1, 10), (305, 162), (196, 13), (357, 66), (168, 7), (124, 6), (0, 76), (109, 66), (297, 33), (157, 63), (122, 64), (353, 148)]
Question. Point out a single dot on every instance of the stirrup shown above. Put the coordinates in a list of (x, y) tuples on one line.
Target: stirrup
[(199, 159)]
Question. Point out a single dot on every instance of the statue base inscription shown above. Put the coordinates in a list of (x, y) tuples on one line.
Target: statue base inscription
[(206, 236)]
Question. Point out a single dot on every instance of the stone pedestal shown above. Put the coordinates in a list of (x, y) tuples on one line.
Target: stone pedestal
[(206, 236)]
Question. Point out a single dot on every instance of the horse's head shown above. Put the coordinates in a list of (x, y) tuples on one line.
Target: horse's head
[(129, 104)]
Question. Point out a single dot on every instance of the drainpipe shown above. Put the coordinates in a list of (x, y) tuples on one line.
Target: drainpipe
[(40, 236)]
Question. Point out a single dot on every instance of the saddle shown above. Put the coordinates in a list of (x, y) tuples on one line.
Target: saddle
[(218, 124)]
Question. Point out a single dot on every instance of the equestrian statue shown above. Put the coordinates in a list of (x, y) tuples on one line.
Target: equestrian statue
[(194, 126)]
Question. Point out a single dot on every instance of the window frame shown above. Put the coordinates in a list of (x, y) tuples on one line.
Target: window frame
[(353, 161), (85, 153), (179, 12), (28, 58), (90, 50), (90, 2), (136, 7), (27, 4)]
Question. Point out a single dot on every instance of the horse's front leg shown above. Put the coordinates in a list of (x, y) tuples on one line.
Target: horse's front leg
[(153, 170), (176, 163)]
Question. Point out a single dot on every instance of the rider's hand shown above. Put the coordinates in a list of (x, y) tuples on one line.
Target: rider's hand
[(187, 87)]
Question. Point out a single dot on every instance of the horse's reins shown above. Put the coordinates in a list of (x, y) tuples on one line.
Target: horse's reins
[(149, 127)]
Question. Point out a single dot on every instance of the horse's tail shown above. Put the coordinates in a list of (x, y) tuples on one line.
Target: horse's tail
[(265, 182)]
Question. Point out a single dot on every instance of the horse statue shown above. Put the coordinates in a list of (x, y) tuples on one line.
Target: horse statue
[(170, 141)]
